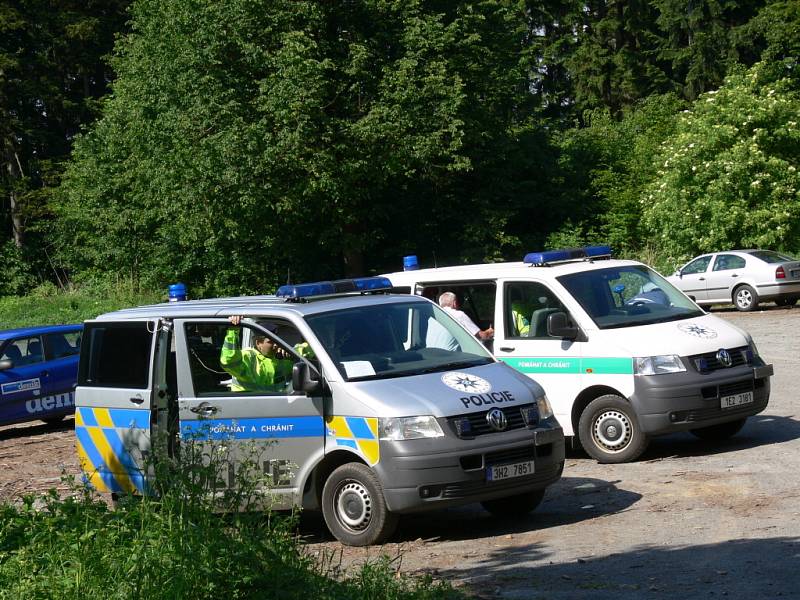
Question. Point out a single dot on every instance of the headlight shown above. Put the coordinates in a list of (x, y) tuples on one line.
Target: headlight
[(543, 405), (409, 428), (655, 365)]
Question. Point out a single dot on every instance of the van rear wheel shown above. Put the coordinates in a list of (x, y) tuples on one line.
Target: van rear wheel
[(518, 505), (354, 507), (721, 432), (609, 430)]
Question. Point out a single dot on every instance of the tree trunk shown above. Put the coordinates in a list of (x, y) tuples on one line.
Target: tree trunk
[(17, 226)]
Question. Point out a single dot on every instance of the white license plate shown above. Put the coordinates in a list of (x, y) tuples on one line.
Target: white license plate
[(795, 273), (520, 469), (736, 400)]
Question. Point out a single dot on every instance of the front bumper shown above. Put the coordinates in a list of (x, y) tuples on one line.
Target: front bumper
[(690, 400), (428, 474)]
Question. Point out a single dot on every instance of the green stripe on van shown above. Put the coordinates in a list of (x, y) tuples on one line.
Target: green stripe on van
[(554, 364)]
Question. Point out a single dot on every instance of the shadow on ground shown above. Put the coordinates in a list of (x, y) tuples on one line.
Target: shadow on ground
[(743, 568), (760, 430), (570, 500), (26, 430)]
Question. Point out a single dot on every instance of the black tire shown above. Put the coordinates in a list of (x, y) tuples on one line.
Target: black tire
[(514, 506), (354, 507), (54, 420), (609, 430), (721, 432), (745, 298), (786, 301)]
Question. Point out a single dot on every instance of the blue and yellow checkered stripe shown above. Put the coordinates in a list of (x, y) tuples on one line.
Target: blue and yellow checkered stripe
[(358, 433), (105, 458)]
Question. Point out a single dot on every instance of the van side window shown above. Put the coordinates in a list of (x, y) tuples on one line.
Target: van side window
[(527, 306), (475, 298), (224, 359), (118, 355)]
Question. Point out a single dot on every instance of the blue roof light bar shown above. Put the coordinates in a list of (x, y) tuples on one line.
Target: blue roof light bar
[(328, 288), (539, 259)]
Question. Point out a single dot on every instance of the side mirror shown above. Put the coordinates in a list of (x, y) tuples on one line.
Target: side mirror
[(677, 273), (6, 364), (303, 379), (558, 325)]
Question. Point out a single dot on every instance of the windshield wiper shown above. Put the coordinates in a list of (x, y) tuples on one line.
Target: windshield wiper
[(460, 364)]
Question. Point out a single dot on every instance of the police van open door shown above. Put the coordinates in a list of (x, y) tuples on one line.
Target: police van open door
[(279, 428), (115, 401)]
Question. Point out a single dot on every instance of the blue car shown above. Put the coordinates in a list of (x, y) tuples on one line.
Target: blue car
[(38, 372)]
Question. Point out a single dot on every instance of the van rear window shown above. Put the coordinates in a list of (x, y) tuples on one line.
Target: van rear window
[(116, 355)]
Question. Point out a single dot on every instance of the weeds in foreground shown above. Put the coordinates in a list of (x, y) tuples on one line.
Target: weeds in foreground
[(194, 538)]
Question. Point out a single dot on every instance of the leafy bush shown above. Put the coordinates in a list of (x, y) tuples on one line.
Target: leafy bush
[(728, 177)]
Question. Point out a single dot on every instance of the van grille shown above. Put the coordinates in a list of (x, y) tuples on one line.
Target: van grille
[(708, 362), (472, 425)]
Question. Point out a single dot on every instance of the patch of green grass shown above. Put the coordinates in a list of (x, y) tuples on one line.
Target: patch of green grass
[(49, 305)]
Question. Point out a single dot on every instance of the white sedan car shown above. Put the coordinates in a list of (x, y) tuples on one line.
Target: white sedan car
[(741, 277)]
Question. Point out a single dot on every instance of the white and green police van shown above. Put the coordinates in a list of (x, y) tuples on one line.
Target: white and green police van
[(621, 353), (370, 422)]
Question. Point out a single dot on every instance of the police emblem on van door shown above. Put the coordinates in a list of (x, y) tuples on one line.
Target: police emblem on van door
[(696, 330), (496, 419), (464, 382)]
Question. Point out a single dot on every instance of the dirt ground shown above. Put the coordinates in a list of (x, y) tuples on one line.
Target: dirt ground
[(689, 520)]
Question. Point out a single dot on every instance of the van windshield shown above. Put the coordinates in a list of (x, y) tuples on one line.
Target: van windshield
[(628, 296), (395, 340)]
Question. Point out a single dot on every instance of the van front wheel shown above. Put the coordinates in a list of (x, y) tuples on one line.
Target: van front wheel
[(609, 431), (354, 507)]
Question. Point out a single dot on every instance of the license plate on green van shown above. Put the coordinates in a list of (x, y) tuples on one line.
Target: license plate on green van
[(736, 400)]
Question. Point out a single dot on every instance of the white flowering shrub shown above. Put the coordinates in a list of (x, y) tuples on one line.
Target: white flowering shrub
[(728, 178)]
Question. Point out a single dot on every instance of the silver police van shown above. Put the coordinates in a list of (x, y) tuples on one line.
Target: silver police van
[(356, 415)]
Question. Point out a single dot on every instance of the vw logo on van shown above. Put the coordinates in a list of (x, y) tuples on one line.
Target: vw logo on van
[(724, 357), (496, 419)]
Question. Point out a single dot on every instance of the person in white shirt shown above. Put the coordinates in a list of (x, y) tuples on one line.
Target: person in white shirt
[(439, 337)]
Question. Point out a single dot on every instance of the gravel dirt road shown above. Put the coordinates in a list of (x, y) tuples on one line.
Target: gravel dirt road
[(689, 520)]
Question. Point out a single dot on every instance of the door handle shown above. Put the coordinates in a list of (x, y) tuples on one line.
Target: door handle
[(701, 278), (734, 275), (506, 348), (204, 410), (137, 399)]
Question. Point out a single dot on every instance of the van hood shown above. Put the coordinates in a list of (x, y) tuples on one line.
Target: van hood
[(684, 338), (447, 393)]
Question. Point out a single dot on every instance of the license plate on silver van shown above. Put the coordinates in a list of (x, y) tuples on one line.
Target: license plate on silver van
[(736, 400), (520, 469)]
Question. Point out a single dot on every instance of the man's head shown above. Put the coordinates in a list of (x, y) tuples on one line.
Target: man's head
[(448, 300), (264, 344)]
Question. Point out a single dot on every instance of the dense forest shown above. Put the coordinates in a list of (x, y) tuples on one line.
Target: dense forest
[(234, 145)]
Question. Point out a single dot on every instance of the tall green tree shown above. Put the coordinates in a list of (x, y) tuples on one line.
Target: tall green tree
[(249, 140), (52, 74), (697, 41)]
